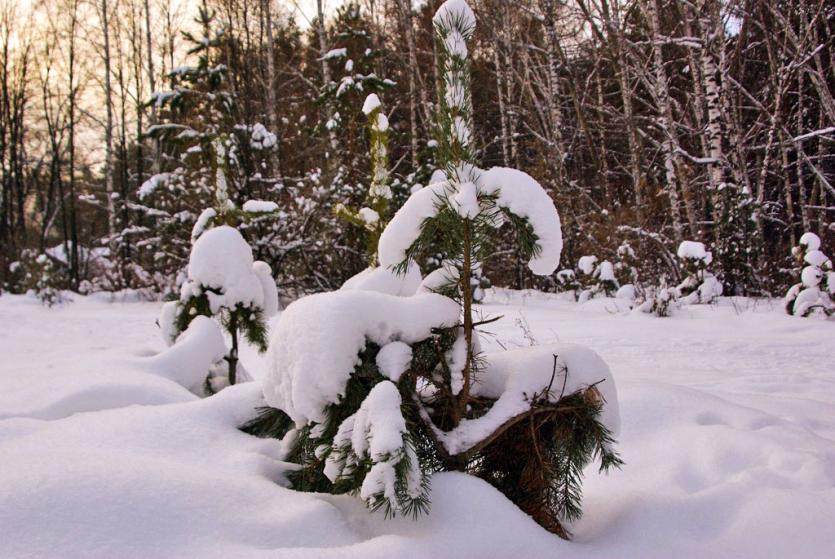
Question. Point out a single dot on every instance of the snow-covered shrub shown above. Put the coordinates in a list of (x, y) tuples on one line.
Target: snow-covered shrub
[(816, 290), (566, 281), (699, 285), (35, 273), (661, 300), (371, 392), (225, 283), (601, 282), (626, 266)]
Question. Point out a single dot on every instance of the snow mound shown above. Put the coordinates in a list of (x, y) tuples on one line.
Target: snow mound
[(188, 361), (317, 339)]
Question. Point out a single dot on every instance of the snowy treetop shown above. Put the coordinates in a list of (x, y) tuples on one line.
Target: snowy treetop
[(371, 103), (515, 191), (694, 250), (221, 265), (456, 14)]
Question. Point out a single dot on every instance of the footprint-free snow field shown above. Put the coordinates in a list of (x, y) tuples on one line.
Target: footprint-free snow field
[(728, 434)]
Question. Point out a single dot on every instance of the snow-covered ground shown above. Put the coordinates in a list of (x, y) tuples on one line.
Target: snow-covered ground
[(728, 433)]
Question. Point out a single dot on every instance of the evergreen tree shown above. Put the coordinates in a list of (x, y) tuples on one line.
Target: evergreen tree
[(398, 396)]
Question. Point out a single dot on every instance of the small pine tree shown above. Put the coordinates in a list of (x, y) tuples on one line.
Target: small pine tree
[(816, 290), (375, 215), (408, 377), (699, 285)]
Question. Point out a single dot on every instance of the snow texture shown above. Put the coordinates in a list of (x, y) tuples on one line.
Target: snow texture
[(515, 377), (605, 272), (516, 192), (259, 206), (810, 241), (455, 14), (817, 258), (728, 423), (692, 249), (265, 277), (261, 137), (315, 344), (167, 322), (394, 359), (586, 264), (152, 184), (385, 280), (188, 361), (202, 220), (376, 432), (405, 226), (221, 265), (372, 102)]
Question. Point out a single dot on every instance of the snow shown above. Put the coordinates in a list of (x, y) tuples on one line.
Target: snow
[(259, 206), (816, 258), (369, 216), (455, 14), (465, 201), (386, 280), (605, 272), (221, 265), (436, 280), (372, 103), (393, 359), (335, 53), (513, 377), (693, 250), (521, 195), (405, 226), (382, 123), (810, 241), (188, 361), (262, 138), (152, 183), (316, 341), (727, 429), (265, 277), (627, 292), (515, 191), (455, 44), (586, 264), (202, 220), (811, 276), (167, 322)]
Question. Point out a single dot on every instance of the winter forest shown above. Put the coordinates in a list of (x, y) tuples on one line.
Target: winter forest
[(418, 278)]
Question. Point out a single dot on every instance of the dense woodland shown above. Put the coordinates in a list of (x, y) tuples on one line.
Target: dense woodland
[(649, 122)]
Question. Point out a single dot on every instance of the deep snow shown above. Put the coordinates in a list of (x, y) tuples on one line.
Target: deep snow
[(728, 433)]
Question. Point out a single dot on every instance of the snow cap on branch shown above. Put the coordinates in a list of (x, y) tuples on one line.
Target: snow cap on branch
[(316, 342), (456, 14)]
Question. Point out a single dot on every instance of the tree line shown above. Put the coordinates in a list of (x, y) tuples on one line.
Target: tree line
[(649, 122)]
